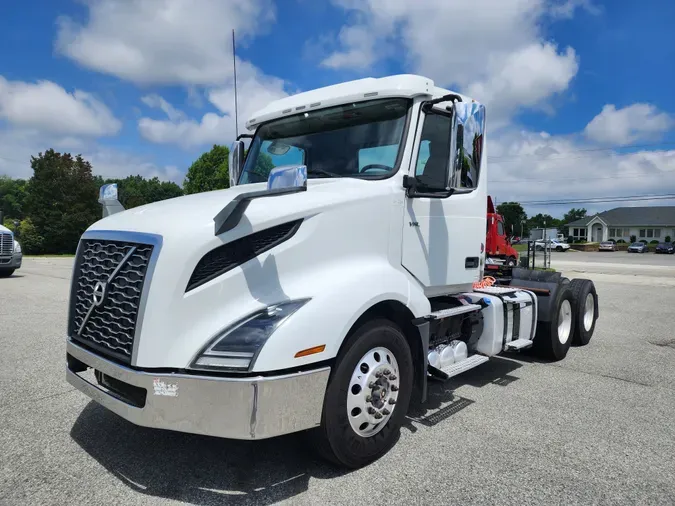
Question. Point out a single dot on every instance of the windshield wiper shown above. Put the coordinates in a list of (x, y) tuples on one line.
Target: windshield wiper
[(323, 172)]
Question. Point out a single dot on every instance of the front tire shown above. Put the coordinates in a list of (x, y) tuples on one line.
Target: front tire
[(5, 273), (511, 262), (360, 423)]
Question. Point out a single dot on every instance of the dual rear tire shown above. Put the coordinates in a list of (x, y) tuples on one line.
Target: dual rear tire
[(575, 312)]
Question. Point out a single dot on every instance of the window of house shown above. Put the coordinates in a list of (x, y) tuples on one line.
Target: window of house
[(643, 232), (579, 233), (657, 232)]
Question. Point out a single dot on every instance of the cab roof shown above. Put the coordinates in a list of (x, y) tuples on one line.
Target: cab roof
[(403, 85)]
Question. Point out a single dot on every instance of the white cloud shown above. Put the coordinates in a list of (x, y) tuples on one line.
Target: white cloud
[(255, 90), (17, 145), (534, 166), (630, 124), (158, 102), (491, 46), (47, 107), (169, 41)]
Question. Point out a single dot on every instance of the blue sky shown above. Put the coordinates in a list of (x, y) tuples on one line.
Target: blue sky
[(579, 92)]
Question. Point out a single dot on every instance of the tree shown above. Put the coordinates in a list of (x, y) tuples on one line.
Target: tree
[(61, 200), (514, 217), (543, 221), (209, 172), (12, 196), (134, 191), (573, 215)]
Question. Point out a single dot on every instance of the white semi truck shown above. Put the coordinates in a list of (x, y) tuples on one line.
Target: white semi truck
[(323, 289), (10, 252)]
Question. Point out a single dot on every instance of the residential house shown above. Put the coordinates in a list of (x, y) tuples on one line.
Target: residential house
[(648, 223)]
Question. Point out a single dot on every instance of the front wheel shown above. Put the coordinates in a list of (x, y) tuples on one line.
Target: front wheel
[(511, 262), (559, 248), (367, 396), (5, 273)]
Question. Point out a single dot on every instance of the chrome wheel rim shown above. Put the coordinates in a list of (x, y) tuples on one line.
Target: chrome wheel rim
[(589, 311), (373, 392), (564, 321)]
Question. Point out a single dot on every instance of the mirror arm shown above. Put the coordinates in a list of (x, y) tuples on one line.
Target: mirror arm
[(244, 136), (410, 184)]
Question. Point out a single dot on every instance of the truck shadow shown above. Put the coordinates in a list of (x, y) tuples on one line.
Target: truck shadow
[(443, 402), (198, 469)]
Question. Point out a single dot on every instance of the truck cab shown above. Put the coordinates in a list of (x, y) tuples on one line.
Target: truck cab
[(10, 253), (322, 290), (498, 242)]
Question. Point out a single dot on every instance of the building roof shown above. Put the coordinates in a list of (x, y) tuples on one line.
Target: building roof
[(656, 216), (403, 85)]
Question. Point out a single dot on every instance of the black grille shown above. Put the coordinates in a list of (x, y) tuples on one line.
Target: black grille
[(111, 326), (6, 243), (230, 255)]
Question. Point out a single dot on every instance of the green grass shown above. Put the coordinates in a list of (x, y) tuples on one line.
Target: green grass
[(520, 247)]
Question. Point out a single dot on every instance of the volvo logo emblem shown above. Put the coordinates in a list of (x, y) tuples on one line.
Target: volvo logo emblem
[(99, 293)]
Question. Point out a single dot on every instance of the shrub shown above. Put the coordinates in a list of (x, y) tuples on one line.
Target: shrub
[(621, 241), (570, 240), (668, 238), (643, 240), (653, 242), (633, 238), (32, 243)]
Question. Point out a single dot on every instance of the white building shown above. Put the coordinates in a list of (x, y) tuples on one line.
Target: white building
[(648, 223)]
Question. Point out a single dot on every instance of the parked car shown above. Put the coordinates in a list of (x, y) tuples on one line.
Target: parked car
[(608, 246), (638, 247), (555, 244), (665, 247)]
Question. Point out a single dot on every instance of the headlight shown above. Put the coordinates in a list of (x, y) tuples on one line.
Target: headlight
[(17, 247), (237, 346)]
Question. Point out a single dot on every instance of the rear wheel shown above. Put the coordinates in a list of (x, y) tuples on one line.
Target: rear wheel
[(559, 248), (511, 261), (367, 396), (5, 273), (553, 339), (586, 309)]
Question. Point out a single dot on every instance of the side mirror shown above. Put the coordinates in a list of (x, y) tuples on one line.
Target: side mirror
[(466, 144), (287, 176), (107, 197), (236, 161)]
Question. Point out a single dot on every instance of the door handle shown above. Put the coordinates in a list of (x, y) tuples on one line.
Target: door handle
[(471, 263)]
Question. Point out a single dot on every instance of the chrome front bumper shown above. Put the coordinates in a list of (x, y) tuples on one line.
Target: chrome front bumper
[(13, 262), (235, 408)]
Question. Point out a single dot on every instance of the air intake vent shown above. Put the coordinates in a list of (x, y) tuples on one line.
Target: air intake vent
[(228, 256)]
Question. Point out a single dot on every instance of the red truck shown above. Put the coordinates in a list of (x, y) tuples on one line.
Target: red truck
[(498, 243)]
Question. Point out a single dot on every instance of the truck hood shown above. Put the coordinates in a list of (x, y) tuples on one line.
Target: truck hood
[(5, 230), (192, 215)]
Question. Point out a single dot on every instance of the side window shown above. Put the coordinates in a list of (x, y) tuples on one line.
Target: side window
[(272, 155), (434, 152), (500, 228)]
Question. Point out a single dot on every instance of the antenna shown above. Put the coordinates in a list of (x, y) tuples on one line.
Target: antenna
[(234, 64)]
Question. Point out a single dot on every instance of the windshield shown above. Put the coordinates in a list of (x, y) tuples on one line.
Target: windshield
[(360, 139)]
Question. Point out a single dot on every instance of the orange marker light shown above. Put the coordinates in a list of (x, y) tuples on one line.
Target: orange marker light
[(310, 351)]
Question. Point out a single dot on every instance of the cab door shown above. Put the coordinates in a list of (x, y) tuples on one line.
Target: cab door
[(445, 213)]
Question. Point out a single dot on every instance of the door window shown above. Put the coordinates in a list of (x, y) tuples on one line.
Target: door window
[(500, 228), (434, 154)]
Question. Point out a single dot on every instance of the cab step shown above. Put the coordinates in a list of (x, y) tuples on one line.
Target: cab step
[(453, 311), (518, 344), (459, 367)]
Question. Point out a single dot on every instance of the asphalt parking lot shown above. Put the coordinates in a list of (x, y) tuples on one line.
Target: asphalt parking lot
[(595, 428)]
